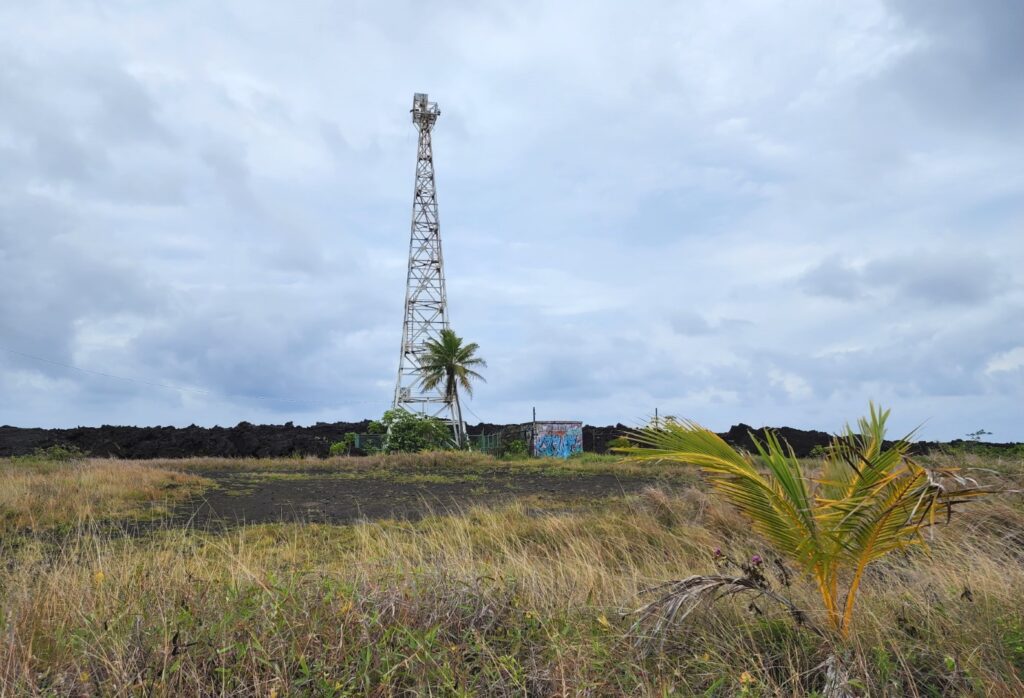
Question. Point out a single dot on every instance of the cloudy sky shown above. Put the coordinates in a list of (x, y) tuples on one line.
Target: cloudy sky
[(760, 212)]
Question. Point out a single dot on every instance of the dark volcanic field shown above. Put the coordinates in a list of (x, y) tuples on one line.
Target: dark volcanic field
[(323, 497), (268, 441), (274, 441)]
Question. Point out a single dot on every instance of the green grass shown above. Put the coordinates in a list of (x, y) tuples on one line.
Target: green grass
[(399, 477), (443, 462)]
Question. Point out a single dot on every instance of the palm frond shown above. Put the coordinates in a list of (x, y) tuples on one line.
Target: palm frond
[(448, 362), (869, 499), (677, 599), (777, 502)]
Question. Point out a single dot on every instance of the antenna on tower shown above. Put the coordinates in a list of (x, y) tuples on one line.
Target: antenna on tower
[(426, 302)]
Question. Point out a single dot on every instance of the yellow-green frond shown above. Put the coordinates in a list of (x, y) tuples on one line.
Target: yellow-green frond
[(776, 500)]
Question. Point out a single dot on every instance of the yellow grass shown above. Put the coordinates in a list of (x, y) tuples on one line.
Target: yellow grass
[(41, 494), (509, 600)]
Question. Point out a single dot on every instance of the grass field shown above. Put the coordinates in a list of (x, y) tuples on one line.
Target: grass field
[(45, 495), (520, 597)]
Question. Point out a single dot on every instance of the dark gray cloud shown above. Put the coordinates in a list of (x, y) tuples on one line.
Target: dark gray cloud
[(692, 323), (963, 279), (967, 278), (689, 322), (834, 278), (968, 71), (726, 212)]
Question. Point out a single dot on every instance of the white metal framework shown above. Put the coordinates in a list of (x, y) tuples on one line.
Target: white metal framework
[(426, 303)]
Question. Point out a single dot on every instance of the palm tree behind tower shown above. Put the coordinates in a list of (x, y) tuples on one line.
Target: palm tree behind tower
[(448, 362)]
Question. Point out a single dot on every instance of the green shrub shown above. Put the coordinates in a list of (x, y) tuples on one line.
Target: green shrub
[(59, 453), (345, 446), (515, 448), (406, 432), (1013, 641)]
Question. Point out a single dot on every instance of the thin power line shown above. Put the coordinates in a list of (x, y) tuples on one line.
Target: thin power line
[(180, 388), (470, 410)]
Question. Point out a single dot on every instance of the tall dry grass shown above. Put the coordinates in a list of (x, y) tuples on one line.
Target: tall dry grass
[(41, 494), (495, 601)]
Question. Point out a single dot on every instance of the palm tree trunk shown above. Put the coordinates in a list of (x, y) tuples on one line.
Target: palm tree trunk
[(453, 396), (460, 426)]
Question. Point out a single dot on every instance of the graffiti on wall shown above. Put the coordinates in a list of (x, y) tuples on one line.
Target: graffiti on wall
[(558, 439)]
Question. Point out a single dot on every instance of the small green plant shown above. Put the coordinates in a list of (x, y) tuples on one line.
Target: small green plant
[(866, 502), (1013, 641), (345, 446), (516, 448), (406, 432), (59, 453)]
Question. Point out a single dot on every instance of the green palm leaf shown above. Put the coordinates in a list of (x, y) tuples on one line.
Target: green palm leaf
[(776, 501), (869, 498)]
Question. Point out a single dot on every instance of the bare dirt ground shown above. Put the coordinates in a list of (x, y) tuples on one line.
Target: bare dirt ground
[(318, 497)]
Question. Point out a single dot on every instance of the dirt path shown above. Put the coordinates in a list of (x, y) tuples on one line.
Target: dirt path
[(322, 498)]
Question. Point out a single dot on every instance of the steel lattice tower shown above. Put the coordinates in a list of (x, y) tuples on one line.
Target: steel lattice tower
[(426, 303)]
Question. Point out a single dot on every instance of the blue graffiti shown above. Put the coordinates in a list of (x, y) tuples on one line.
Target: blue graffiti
[(558, 440)]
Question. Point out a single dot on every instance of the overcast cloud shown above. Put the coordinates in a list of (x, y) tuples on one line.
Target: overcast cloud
[(728, 211)]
